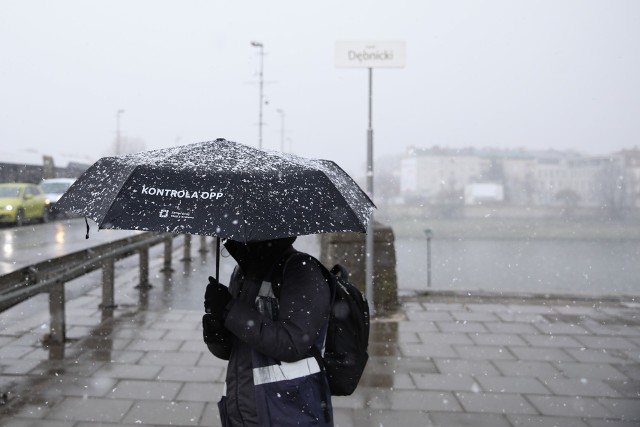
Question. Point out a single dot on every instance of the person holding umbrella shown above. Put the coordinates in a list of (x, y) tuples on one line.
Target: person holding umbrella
[(256, 199), (272, 378)]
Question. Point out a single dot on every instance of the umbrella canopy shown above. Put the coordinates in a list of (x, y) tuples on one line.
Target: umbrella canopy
[(220, 188)]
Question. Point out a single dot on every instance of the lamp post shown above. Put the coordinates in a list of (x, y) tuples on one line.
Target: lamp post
[(281, 129), (429, 234), (369, 242), (118, 114), (261, 47)]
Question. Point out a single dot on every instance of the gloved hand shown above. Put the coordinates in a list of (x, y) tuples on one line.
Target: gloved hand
[(216, 298), (213, 330)]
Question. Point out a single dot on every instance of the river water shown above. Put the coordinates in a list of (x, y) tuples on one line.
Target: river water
[(542, 266)]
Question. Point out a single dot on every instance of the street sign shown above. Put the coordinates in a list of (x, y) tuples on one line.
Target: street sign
[(370, 54)]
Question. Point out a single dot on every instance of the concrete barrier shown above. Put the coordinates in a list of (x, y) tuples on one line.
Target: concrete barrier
[(348, 249)]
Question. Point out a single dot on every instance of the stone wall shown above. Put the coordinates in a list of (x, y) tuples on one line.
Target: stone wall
[(348, 249)]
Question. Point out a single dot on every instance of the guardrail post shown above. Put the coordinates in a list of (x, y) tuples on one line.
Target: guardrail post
[(144, 268), (187, 248), (168, 251), (108, 292), (57, 327), (203, 244)]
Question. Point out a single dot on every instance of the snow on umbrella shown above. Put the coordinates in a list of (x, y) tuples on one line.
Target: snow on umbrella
[(220, 188)]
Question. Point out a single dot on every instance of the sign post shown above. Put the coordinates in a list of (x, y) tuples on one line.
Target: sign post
[(370, 55)]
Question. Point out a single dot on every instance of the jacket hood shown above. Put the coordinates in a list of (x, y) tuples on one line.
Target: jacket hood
[(254, 257)]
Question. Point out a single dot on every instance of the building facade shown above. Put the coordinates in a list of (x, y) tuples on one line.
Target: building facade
[(549, 178)]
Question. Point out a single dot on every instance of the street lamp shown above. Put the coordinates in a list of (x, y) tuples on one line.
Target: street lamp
[(281, 129), (118, 114), (261, 47), (429, 234)]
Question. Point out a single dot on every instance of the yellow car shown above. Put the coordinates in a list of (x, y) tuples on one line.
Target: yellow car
[(20, 202)]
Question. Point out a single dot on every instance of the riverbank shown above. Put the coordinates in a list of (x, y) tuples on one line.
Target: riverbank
[(521, 297), (512, 228)]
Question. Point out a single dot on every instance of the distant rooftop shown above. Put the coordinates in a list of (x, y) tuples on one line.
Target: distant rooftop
[(519, 153)]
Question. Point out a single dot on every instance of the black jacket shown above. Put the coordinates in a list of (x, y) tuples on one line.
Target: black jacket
[(304, 307)]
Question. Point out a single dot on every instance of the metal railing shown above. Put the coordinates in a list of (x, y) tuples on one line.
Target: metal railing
[(51, 275)]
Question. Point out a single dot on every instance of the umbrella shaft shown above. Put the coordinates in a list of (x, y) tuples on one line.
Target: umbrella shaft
[(218, 259)]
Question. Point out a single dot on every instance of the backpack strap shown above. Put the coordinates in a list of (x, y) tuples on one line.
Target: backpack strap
[(277, 274), (340, 271)]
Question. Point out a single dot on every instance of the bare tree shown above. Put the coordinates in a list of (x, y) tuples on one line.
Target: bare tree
[(611, 189), (569, 199)]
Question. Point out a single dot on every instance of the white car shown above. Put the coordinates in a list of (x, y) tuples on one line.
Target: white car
[(53, 189)]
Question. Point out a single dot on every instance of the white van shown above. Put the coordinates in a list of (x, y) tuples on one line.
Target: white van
[(53, 189)]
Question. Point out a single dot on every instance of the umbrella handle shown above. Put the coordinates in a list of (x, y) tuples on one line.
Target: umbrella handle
[(217, 259)]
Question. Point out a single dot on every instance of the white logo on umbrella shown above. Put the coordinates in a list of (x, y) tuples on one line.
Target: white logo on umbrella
[(181, 194)]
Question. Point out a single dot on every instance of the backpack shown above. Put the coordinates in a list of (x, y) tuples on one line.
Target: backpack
[(345, 355)]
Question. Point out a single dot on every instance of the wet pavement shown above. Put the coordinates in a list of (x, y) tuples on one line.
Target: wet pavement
[(440, 360)]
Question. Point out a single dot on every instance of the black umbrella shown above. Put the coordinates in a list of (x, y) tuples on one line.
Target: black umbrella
[(220, 188)]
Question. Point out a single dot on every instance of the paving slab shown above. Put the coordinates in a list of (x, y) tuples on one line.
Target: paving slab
[(448, 382), (542, 421), (497, 403), (520, 385), (571, 406), (461, 419)]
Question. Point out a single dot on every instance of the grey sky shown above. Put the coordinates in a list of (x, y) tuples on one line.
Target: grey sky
[(536, 74)]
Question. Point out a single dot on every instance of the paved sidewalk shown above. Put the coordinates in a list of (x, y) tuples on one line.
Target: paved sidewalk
[(438, 361)]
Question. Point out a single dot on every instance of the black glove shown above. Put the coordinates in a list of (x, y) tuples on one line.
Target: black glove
[(216, 298), (213, 330)]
